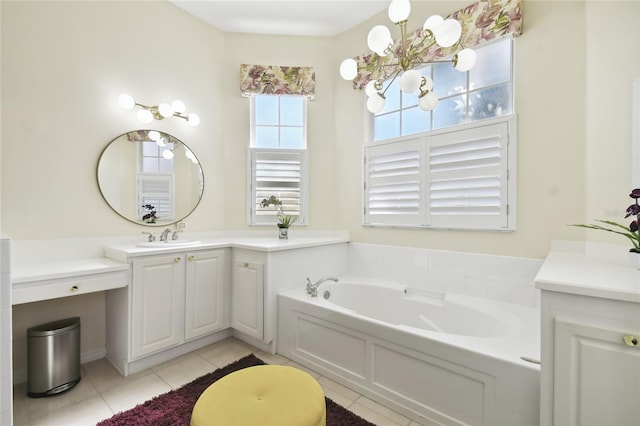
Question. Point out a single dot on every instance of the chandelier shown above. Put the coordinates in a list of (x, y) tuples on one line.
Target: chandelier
[(147, 113), (407, 56)]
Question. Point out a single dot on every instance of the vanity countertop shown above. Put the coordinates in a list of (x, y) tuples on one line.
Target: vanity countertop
[(266, 244), (64, 269), (589, 275)]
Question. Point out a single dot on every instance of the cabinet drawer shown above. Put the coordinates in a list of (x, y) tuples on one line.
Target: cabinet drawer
[(34, 291)]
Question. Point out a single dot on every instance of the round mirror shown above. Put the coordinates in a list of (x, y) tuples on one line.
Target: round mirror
[(150, 178)]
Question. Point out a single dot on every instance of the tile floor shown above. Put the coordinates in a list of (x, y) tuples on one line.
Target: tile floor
[(103, 392)]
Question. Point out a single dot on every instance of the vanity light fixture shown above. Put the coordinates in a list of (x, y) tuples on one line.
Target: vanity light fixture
[(159, 112), (408, 55)]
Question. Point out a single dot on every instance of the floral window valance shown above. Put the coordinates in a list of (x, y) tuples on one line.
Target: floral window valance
[(481, 22), (277, 80)]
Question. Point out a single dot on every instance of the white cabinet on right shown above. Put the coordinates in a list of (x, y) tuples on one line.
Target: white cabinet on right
[(590, 348), (597, 374)]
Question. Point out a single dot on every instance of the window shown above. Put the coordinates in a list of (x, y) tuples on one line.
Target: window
[(454, 179), (155, 179), (483, 92), (277, 157)]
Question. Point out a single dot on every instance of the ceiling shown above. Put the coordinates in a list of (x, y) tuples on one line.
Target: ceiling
[(290, 17)]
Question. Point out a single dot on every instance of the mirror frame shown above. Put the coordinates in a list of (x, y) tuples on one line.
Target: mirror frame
[(173, 140)]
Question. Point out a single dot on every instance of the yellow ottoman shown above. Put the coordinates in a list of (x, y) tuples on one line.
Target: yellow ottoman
[(262, 395)]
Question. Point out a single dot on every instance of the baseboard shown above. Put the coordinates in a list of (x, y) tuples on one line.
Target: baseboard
[(20, 376)]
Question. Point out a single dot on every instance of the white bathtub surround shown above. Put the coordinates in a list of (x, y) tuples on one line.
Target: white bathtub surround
[(500, 278), (433, 356)]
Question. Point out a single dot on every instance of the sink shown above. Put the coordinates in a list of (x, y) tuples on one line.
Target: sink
[(168, 244)]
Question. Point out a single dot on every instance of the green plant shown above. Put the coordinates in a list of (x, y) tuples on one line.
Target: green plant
[(631, 232), (284, 220)]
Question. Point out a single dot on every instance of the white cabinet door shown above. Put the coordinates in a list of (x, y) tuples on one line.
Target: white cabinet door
[(247, 298), (204, 293), (157, 306), (596, 376)]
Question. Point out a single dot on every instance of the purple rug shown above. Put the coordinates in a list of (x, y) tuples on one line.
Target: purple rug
[(174, 408)]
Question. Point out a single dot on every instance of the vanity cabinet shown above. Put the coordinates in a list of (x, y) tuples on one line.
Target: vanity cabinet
[(175, 297), (204, 292), (177, 302), (590, 355), (157, 303), (247, 296)]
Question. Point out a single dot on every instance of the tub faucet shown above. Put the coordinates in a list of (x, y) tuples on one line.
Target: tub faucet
[(312, 289), (165, 235)]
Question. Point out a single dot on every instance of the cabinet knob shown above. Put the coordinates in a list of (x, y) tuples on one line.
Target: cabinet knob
[(73, 289), (177, 259), (245, 264), (630, 340), (192, 258)]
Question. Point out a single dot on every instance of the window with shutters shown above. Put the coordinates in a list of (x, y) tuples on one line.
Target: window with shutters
[(461, 178), (155, 179), (277, 157)]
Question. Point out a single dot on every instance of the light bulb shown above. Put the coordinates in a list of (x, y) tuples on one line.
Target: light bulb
[(379, 39), (145, 116), (464, 60), (426, 84), (349, 69), (188, 153), (399, 10), (161, 142), (410, 81), (370, 89), (168, 154), (375, 103), (178, 106), (165, 110), (432, 23), (428, 101), (126, 101), (448, 33), (154, 135), (193, 119)]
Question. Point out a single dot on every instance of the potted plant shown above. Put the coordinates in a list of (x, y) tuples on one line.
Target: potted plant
[(150, 215), (632, 232), (284, 220)]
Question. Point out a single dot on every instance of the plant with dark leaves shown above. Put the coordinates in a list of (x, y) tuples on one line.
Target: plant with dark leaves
[(631, 232)]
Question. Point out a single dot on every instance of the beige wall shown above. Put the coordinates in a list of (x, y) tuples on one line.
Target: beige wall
[(574, 65), (64, 64)]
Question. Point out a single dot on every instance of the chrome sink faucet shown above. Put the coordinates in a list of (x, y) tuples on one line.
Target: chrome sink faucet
[(312, 289), (165, 235)]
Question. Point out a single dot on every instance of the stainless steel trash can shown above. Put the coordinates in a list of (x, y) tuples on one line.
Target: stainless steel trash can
[(53, 357)]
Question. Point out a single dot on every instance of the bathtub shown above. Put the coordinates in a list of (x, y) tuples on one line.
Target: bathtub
[(432, 356)]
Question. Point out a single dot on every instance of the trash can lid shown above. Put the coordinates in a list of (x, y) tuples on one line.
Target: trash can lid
[(54, 327)]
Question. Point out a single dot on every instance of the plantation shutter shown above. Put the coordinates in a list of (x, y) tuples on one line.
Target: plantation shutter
[(467, 178), (462, 179), (279, 173), (393, 184), (156, 189)]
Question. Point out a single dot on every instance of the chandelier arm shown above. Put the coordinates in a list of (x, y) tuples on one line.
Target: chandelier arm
[(419, 53), (395, 74)]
